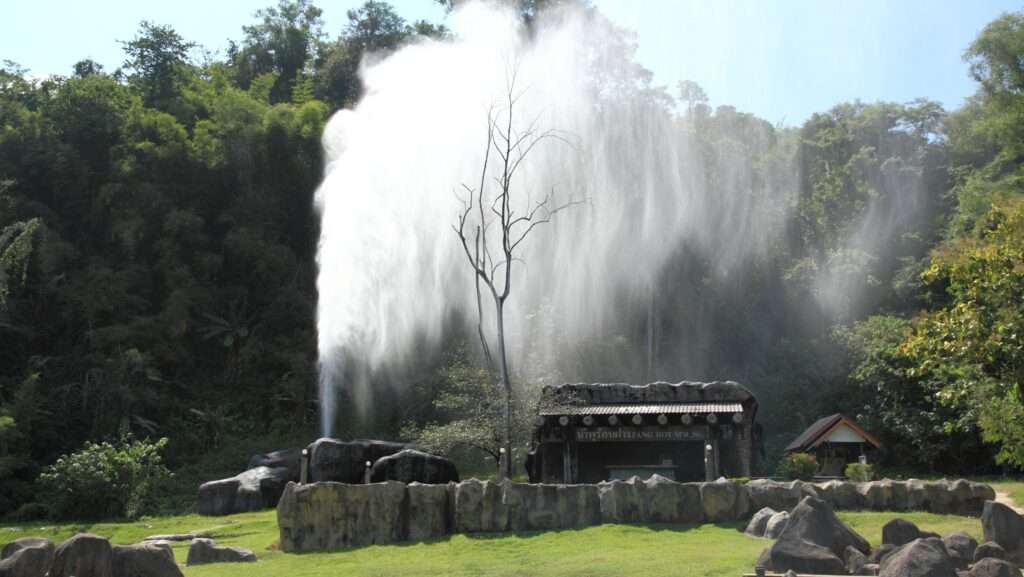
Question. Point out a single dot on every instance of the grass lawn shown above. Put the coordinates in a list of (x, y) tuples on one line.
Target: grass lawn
[(605, 550), (1014, 488)]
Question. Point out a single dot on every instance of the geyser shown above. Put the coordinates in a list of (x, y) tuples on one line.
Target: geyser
[(392, 270)]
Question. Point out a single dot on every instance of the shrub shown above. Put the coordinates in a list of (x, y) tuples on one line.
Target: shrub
[(859, 472), (104, 480), (802, 466)]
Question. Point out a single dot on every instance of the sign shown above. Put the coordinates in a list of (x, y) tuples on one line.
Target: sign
[(597, 435)]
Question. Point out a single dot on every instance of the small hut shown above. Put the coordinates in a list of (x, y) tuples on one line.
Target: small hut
[(836, 441)]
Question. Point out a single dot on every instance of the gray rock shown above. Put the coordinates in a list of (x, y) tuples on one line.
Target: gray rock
[(1005, 527), (880, 553), (345, 461), (776, 525), (203, 551), (253, 490), (290, 459), (871, 569), (531, 507), (143, 560), (580, 505), (776, 495), (671, 502), (84, 555), (409, 465), (877, 495), (326, 516), (479, 507), (919, 558), (29, 561), (989, 549), (841, 495), (815, 540), (990, 567), (724, 501), (960, 547), (623, 501), (25, 542), (428, 511), (855, 561), (759, 522), (899, 532), (217, 497), (173, 537)]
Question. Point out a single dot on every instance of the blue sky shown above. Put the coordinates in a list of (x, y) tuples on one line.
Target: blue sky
[(781, 60)]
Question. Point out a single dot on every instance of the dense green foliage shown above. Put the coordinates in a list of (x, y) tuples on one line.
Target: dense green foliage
[(157, 261), (859, 472), (801, 466), (104, 480)]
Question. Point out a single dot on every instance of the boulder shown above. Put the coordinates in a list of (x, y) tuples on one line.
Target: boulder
[(990, 567), (345, 461), (580, 506), (724, 501), (25, 542), (880, 553), (1002, 525), (900, 532), (217, 497), (479, 507), (143, 560), (759, 522), (987, 550), (815, 540), (776, 525), (841, 495), (30, 561), (877, 495), (623, 501), (329, 516), (290, 459), (530, 507), (779, 496), (428, 511), (671, 502), (84, 555), (253, 490), (203, 551), (919, 558), (855, 561), (960, 547), (409, 465)]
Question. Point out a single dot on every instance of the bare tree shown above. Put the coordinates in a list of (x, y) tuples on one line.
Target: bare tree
[(492, 267)]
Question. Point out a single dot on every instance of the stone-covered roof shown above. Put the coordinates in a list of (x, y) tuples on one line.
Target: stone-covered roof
[(652, 393)]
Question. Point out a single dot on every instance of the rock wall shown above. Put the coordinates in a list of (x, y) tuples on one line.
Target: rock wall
[(330, 515)]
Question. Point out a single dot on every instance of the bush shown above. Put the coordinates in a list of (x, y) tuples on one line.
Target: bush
[(104, 480), (29, 512), (802, 466), (859, 472)]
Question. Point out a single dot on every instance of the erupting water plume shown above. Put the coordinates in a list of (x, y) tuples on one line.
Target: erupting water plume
[(392, 271)]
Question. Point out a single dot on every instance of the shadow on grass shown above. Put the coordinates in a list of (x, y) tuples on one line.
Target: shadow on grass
[(534, 534)]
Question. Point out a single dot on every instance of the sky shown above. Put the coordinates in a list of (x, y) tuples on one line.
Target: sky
[(782, 60)]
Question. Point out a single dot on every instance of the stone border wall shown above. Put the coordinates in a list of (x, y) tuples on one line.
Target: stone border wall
[(329, 516)]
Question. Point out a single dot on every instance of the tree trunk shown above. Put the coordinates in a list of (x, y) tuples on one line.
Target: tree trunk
[(506, 384)]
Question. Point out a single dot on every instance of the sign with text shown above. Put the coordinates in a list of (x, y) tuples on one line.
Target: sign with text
[(584, 435)]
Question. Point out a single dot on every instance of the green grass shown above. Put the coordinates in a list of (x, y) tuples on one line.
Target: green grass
[(605, 550), (1014, 488)]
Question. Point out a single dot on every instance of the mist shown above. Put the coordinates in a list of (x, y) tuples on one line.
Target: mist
[(654, 203)]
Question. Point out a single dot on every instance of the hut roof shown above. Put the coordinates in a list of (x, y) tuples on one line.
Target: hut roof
[(657, 393), (819, 432)]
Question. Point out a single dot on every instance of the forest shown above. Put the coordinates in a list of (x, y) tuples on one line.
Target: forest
[(158, 263)]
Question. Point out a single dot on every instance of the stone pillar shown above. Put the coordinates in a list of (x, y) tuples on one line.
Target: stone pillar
[(744, 448)]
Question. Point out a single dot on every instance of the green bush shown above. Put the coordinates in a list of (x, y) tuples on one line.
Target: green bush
[(802, 466), (859, 472), (104, 480)]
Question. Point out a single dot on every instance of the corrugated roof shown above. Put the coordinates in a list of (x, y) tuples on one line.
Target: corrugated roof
[(668, 409), (814, 434)]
